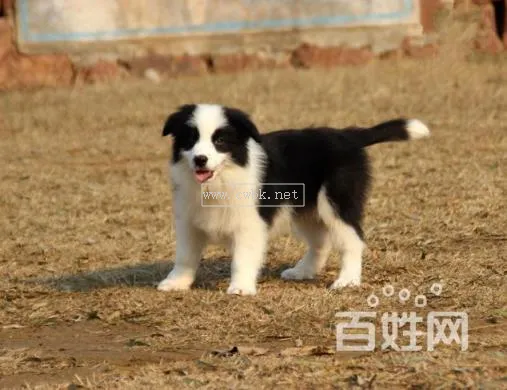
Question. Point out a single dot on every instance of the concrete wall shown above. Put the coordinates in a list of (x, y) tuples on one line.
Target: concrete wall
[(197, 26), (67, 42)]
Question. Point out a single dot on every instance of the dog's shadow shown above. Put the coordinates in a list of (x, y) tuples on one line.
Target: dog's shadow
[(211, 275)]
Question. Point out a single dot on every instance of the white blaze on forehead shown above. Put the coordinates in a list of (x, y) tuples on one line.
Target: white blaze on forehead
[(207, 118)]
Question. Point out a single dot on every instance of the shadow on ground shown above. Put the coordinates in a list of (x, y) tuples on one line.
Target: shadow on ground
[(210, 274)]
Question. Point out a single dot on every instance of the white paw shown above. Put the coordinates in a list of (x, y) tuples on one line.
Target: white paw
[(174, 284), (296, 273), (345, 282), (241, 290)]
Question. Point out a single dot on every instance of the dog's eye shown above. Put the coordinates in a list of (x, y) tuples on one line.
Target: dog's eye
[(223, 136)]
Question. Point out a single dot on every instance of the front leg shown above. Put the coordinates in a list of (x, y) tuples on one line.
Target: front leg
[(190, 243), (249, 250)]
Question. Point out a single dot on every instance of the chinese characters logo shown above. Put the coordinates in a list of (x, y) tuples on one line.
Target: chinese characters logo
[(443, 327)]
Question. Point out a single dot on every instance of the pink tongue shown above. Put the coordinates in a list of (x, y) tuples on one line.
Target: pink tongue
[(202, 176)]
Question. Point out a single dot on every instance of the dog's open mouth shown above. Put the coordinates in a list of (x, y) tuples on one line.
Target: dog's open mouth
[(203, 175)]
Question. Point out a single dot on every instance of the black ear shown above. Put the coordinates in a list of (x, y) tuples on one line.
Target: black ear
[(241, 122), (177, 119)]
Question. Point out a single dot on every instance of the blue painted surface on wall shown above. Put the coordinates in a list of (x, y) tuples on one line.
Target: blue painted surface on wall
[(27, 33)]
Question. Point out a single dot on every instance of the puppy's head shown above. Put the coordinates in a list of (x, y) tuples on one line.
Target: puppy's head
[(209, 138)]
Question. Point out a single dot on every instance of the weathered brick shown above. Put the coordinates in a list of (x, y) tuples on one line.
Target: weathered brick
[(18, 70), (167, 65), (395, 54), (6, 44), (307, 56), (429, 9), (240, 61), (487, 39), (428, 50), (101, 71), (189, 65)]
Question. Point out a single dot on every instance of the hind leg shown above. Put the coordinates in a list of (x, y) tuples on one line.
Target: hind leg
[(352, 248), (316, 234), (344, 225)]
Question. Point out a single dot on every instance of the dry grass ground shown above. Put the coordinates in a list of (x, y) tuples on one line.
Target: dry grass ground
[(86, 233)]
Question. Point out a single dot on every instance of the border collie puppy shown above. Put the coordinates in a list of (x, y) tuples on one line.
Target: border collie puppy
[(217, 149)]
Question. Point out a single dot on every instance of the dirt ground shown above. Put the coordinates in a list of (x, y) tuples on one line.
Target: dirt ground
[(86, 234)]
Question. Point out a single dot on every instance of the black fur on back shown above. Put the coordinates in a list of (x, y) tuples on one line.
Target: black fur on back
[(319, 158)]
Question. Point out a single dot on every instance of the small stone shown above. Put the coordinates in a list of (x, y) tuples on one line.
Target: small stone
[(152, 75)]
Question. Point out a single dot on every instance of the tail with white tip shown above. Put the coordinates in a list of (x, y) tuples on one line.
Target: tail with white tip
[(393, 130)]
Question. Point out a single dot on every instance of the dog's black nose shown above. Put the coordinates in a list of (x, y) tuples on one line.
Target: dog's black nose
[(200, 160)]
